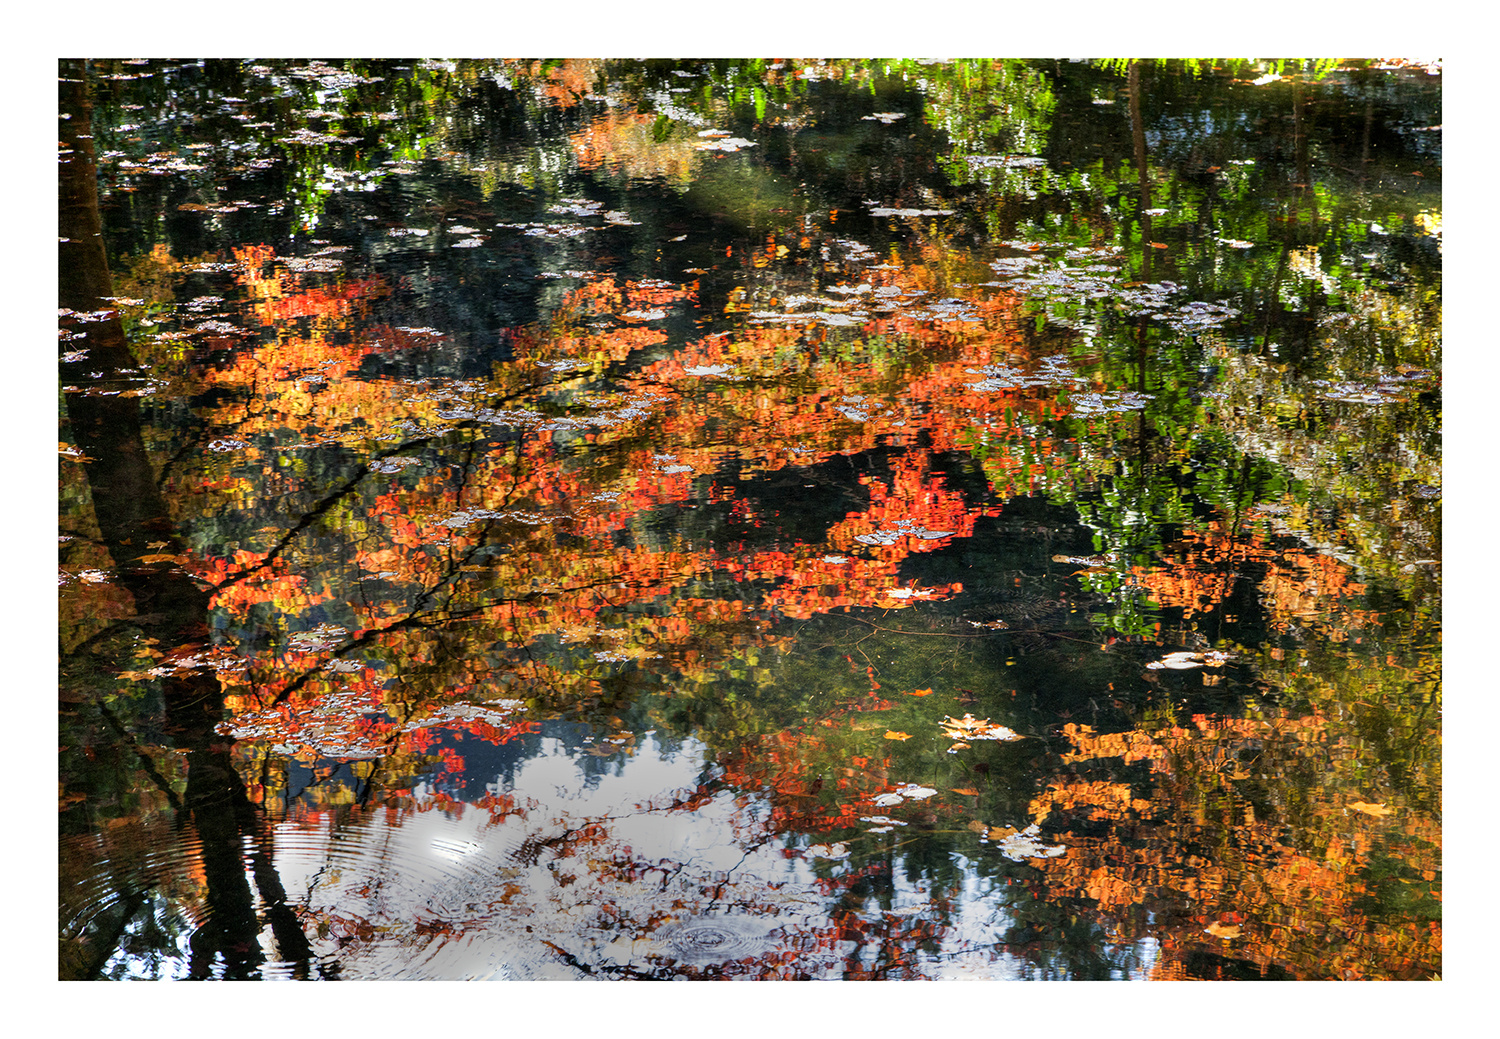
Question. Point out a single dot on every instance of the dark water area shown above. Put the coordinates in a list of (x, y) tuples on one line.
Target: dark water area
[(863, 520)]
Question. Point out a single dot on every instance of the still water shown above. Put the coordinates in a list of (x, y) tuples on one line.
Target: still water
[(750, 519)]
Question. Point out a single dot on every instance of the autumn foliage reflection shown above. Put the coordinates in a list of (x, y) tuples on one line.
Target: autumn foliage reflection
[(511, 514)]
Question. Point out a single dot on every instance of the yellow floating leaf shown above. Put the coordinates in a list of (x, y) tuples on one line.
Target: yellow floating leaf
[(966, 790), (1370, 809), (892, 734), (921, 692), (158, 558), (1223, 930)]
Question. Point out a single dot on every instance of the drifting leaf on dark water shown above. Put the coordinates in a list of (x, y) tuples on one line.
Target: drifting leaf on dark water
[(1186, 659)]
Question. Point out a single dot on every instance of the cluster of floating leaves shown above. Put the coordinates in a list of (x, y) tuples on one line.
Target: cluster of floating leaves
[(1093, 273), (1052, 371), (1041, 276), (88, 315), (219, 207), (883, 823), (312, 137), (393, 464), (312, 264), (1086, 404), (188, 659), (499, 713), (158, 164), (863, 301), (470, 516), (1009, 162), (720, 141), (1017, 845), (323, 730), (1187, 659), (323, 637), (904, 792), (911, 593), (892, 534), (328, 76), (1384, 389), (1199, 316), (904, 212), (538, 230)]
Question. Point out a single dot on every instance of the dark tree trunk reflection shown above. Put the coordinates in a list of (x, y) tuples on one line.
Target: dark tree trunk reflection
[(170, 607)]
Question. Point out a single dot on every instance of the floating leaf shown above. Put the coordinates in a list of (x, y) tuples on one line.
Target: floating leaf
[(1219, 930), (921, 692), (1377, 810), (892, 734), (969, 791), (970, 728), (71, 452)]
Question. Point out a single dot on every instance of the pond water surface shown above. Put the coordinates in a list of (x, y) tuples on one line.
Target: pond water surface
[(750, 519)]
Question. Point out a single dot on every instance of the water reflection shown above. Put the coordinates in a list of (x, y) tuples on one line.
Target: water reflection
[(744, 519), (646, 870)]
